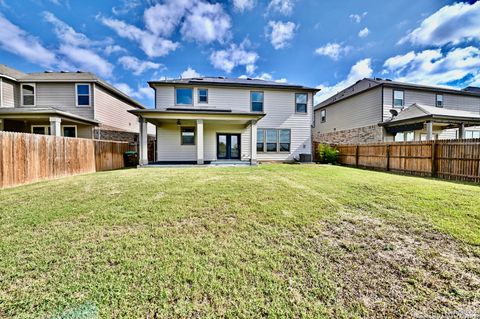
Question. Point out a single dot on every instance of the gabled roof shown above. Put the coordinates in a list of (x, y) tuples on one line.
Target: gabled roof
[(241, 82), (78, 76), (368, 83), (423, 112)]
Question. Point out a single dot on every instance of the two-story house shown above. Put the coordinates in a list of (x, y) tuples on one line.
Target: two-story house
[(376, 110), (73, 104), (209, 119)]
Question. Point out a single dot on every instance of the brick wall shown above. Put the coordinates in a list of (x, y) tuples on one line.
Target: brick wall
[(366, 134)]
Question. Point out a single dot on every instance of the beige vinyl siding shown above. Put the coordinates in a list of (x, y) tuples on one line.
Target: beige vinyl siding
[(358, 111), (279, 106), (10, 93), (450, 101), (169, 147), (61, 96), (113, 112)]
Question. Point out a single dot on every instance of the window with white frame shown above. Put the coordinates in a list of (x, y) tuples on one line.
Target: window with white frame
[(202, 96), (273, 140), (439, 100), (83, 94), (28, 94), (256, 101), (187, 136), (398, 98), (69, 130), (472, 134), (41, 129), (301, 102), (404, 136), (183, 96)]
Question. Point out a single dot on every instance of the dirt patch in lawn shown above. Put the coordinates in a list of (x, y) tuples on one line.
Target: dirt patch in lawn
[(387, 271)]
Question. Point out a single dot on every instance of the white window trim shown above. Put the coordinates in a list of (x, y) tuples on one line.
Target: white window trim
[(45, 127), (306, 108), (183, 87), (321, 116), (74, 126), (89, 95), (34, 94), (198, 95)]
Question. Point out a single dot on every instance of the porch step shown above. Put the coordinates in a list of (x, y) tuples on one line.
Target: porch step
[(229, 163)]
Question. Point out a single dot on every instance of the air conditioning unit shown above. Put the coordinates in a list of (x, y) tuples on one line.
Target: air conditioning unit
[(305, 158)]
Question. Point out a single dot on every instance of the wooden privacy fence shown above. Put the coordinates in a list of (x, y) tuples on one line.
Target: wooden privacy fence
[(449, 159), (26, 158)]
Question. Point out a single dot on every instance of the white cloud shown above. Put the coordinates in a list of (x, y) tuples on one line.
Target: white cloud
[(162, 19), (432, 67), (361, 69), (126, 7), (451, 24), (109, 49), (282, 6), (280, 33), (364, 33), (267, 77), (137, 66), (357, 17), (243, 5), (17, 41), (153, 45), (141, 93), (235, 55), (190, 73), (78, 49), (332, 50), (87, 60), (206, 23)]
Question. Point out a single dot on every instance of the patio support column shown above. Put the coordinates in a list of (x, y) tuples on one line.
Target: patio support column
[(200, 156), (461, 131), (1, 125), (429, 131), (55, 126), (142, 142), (253, 142)]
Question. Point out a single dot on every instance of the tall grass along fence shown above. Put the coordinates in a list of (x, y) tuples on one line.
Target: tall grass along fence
[(449, 159), (26, 158)]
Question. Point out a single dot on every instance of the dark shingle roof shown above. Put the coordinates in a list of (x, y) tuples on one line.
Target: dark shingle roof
[(9, 72), (223, 81)]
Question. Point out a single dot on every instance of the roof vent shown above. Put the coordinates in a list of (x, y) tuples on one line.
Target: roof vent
[(63, 72), (378, 79), (249, 79), (47, 71), (221, 77), (388, 80), (198, 79), (78, 71)]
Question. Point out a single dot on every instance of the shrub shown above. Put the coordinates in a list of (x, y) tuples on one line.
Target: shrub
[(327, 154)]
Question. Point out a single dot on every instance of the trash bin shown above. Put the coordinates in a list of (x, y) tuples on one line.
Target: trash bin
[(130, 158)]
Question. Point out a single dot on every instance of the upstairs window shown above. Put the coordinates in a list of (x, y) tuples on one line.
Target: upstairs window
[(257, 101), (439, 100), (188, 136), (323, 116), (183, 96), (398, 98), (28, 94), (83, 94), (202, 96), (301, 102)]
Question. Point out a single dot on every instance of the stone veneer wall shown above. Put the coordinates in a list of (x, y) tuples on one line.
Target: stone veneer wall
[(366, 134)]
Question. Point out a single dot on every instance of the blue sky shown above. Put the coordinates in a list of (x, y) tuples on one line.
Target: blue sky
[(328, 44)]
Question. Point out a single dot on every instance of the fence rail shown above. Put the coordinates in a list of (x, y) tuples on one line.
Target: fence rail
[(27, 158), (457, 159)]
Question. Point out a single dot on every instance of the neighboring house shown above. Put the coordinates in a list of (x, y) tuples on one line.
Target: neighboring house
[(375, 110), (73, 104), (208, 119)]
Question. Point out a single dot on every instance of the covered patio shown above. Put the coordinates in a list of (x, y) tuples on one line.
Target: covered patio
[(192, 136), (423, 122), (46, 121)]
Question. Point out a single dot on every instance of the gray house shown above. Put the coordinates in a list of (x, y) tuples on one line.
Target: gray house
[(375, 110), (74, 104), (212, 119)]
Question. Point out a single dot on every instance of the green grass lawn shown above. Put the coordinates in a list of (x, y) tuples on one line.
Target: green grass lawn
[(271, 241)]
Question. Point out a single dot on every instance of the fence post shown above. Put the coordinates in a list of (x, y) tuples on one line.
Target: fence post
[(434, 164), (388, 157), (356, 155)]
